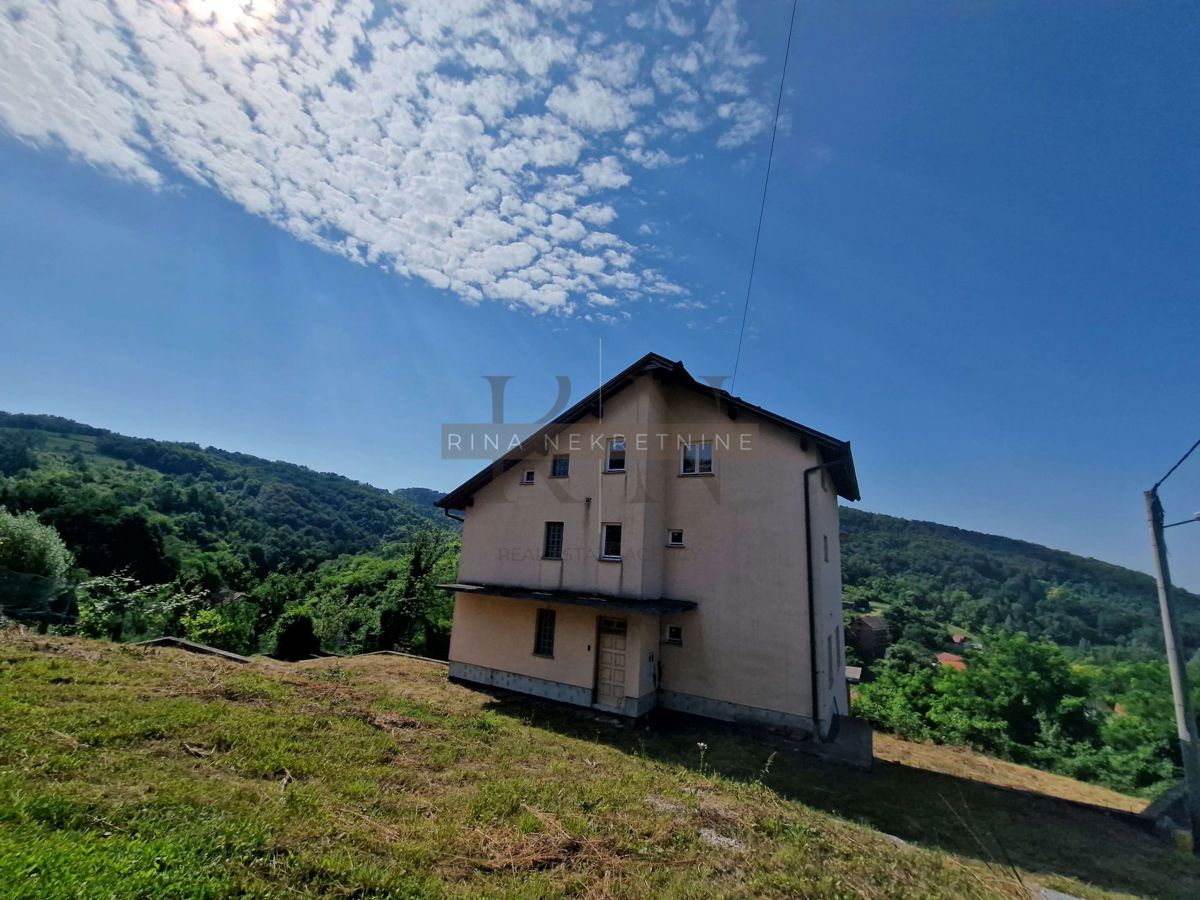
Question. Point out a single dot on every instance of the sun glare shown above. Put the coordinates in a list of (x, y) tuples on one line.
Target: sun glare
[(231, 14)]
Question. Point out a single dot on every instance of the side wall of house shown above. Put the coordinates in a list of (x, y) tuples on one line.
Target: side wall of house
[(746, 650)]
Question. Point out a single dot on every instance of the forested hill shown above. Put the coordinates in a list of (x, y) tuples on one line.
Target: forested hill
[(967, 581), (153, 507)]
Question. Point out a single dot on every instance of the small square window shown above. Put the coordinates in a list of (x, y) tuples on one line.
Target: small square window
[(527, 478), (552, 547), (560, 466), (616, 455), (611, 541), (675, 537), (543, 636), (697, 459), (674, 634)]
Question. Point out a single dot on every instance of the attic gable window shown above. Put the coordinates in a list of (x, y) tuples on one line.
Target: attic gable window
[(697, 458), (616, 455), (527, 478), (560, 466)]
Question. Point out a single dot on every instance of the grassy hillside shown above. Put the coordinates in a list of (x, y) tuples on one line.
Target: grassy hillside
[(126, 771)]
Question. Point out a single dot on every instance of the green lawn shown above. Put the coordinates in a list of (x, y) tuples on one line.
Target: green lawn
[(156, 773)]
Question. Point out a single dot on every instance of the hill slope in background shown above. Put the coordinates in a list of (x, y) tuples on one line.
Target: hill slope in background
[(968, 581), (147, 505), (125, 770)]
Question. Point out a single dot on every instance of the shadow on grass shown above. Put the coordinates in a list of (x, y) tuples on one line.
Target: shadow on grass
[(999, 826)]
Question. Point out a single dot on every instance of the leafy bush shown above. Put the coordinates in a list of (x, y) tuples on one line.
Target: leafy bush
[(216, 628), (34, 564)]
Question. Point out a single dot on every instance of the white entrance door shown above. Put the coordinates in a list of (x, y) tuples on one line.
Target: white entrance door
[(610, 663)]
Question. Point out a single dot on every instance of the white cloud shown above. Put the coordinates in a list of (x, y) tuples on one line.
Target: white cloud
[(469, 144), (590, 105), (604, 173)]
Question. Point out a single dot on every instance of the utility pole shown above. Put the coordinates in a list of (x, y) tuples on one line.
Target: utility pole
[(1185, 716)]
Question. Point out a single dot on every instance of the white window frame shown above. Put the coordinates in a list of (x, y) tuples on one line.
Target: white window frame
[(674, 635), (683, 452), (671, 532), (544, 626), (616, 439), (562, 540), (528, 477), (604, 540)]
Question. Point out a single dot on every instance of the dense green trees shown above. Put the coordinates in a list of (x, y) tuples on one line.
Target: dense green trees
[(224, 548)]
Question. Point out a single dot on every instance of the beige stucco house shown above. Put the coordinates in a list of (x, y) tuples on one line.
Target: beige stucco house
[(661, 544)]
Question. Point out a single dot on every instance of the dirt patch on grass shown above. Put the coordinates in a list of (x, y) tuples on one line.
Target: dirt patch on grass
[(510, 849), (392, 722)]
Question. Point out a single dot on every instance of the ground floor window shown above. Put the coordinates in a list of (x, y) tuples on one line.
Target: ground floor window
[(543, 638)]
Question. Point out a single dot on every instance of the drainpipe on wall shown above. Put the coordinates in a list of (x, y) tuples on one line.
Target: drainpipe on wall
[(814, 678)]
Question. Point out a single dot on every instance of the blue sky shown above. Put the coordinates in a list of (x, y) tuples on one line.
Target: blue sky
[(306, 230)]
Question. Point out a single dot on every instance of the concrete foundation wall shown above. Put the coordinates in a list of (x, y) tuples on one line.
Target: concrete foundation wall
[(525, 684), (550, 690)]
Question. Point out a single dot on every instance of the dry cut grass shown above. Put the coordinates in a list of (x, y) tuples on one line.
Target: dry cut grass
[(133, 772)]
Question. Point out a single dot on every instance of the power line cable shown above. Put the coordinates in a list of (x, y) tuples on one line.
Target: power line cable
[(762, 206), (1182, 459)]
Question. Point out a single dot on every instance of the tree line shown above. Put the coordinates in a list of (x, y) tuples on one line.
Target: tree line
[(127, 538)]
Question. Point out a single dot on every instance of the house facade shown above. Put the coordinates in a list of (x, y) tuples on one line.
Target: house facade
[(661, 544)]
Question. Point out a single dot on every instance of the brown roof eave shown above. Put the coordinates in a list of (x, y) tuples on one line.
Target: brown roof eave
[(844, 477)]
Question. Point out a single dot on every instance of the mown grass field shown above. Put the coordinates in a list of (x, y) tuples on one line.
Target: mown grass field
[(155, 773)]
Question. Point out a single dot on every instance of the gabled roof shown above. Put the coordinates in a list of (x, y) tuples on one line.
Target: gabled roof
[(831, 450)]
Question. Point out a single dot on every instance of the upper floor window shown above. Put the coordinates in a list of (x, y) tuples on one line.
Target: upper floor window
[(543, 635), (616, 455), (697, 458), (675, 537), (560, 466), (611, 541), (552, 547), (527, 478)]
